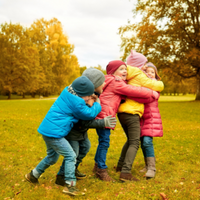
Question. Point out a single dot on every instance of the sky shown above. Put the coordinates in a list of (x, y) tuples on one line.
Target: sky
[(90, 25)]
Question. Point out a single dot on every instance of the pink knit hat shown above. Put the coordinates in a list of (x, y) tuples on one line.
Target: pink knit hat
[(149, 64), (136, 59), (113, 66)]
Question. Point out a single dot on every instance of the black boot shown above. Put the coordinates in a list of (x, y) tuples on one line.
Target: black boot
[(79, 175), (60, 180)]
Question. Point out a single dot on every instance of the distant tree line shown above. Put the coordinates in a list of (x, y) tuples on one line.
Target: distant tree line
[(36, 60)]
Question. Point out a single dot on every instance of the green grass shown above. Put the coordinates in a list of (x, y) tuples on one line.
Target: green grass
[(177, 155), (188, 97)]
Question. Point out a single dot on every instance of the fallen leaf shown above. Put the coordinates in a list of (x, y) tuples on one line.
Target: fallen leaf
[(17, 193), (163, 195)]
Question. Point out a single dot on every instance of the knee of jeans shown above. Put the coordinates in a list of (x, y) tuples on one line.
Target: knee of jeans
[(146, 143), (87, 149), (105, 145), (135, 143), (53, 160), (72, 157)]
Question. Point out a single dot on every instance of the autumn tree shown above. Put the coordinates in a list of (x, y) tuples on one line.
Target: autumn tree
[(19, 64), (64, 64), (168, 34), (60, 65)]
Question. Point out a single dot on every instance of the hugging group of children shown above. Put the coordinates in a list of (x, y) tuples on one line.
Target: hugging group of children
[(92, 101)]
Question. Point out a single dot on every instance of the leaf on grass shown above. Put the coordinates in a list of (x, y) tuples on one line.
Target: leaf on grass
[(18, 192), (163, 195)]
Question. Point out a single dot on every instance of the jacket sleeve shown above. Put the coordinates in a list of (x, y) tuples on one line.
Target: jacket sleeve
[(82, 111), (151, 84), (142, 100), (143, 80), (95, 123), (132, 91), (147, 100)]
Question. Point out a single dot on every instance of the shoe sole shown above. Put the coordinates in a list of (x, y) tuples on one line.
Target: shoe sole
[(80, 178), (73, 194), (69, 193), (125, 180)]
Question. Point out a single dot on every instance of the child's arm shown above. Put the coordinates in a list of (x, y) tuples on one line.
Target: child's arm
[(147, 100), (141, 78), (108, 121), (122, 88), (82, 111)]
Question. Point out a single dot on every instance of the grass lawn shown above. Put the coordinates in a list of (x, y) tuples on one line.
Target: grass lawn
[(177, 156)]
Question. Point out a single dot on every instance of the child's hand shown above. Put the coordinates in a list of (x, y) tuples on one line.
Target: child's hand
[(110, 121), (94, 97), (90, 102)]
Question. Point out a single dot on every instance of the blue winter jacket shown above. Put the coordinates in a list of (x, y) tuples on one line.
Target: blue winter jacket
[(66, 111)]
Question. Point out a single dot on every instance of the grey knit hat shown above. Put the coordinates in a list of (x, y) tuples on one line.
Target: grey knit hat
[(83, 86), (96, 76)]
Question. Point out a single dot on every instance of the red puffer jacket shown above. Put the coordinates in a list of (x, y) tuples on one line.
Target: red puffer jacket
[(114, 90), (151, 123)]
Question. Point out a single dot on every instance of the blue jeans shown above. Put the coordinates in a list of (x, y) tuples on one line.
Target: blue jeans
[(147, 146), (102, 149), (81, 148), (56, 147)]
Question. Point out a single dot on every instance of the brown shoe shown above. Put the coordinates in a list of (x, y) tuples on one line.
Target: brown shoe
[(95, 168), (102, 174), (29, 177), (127, 177)]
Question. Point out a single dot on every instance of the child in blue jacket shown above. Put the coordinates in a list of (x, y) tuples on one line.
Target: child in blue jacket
[(78, 136), (67, 110)]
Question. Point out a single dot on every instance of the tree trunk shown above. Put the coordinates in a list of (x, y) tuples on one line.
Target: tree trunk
[(23, 95), (198, 88), (33, 94), (9, 95)]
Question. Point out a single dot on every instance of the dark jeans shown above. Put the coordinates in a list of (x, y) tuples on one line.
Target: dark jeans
[(81, 148), (131, 126), (102, 149), (147, 146)]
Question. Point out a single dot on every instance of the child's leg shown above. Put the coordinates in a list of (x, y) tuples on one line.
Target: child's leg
[(144, 154), (84, 147), (147, 146), (131, 124), (75, 147), (62, 147), (143, 147), (150, 157), (102, 149), (50, 159)]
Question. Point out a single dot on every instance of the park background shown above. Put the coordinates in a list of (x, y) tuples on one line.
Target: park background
[(37, 62)]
